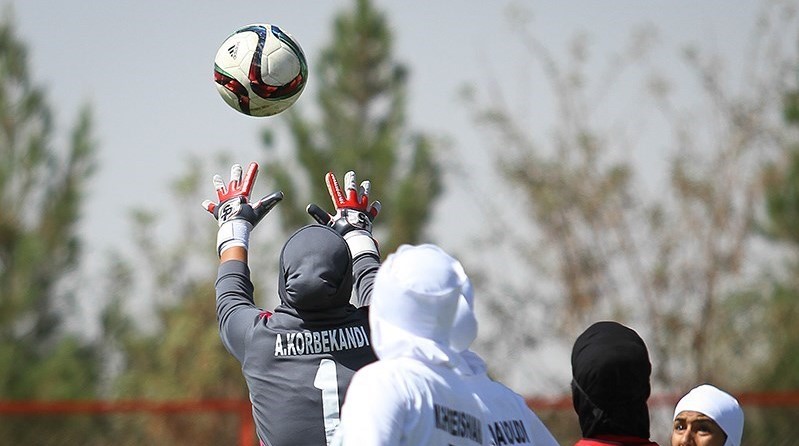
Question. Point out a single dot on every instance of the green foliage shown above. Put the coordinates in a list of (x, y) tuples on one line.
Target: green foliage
[(178, 355), (782, 200), (361, 95), (183, 360), (781, 370), (791, 107), (780, 307), (781, 182), (42, 190)]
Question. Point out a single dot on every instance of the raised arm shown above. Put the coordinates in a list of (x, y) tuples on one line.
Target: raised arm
[(353, 220), (236, 216)]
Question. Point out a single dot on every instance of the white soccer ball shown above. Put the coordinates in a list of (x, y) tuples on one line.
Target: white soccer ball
[(260, 70)]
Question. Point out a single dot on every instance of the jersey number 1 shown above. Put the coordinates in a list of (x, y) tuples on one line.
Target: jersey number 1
[(327, 382)]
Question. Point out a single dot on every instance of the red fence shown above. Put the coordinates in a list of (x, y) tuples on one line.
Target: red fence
[(241, 409), (557, 413), (748, 399)]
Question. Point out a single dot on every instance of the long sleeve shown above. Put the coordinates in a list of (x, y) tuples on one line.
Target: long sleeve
[(235, 308), (364, 269)]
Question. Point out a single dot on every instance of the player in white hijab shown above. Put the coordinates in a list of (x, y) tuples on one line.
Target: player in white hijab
[(509, 419), (707, 416), (415, 394)]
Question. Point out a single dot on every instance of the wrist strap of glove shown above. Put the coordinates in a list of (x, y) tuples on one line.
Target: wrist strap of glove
[(232, 233), (361, 242)]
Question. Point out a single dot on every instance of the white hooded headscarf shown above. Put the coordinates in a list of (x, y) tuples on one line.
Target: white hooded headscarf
[(464, 328), (717, 405), (414, 302)]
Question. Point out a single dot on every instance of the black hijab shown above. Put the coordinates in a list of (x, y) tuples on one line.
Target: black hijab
[(315, 271), (610, 386)]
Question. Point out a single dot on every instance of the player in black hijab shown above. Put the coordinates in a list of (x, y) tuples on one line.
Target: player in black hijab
[(610, 385)]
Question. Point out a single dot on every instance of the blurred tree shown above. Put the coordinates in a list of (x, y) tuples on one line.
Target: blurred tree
[(177, 354), (42, 190), (779, 305), (361, 96), (595, 243)]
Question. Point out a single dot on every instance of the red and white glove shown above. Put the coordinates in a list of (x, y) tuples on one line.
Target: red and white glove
[(354, 214), (233, 211)]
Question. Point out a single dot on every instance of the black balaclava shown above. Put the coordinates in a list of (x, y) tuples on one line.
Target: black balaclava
[(315, 270), (610, 386)]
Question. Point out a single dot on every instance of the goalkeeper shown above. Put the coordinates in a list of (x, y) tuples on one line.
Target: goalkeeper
[(297, 360)]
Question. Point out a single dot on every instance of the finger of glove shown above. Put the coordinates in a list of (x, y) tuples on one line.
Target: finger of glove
[(235, 176), (373, 210), (209, 206), (363, 193), (249, 179), (351, 190), (334, 190), (219, 185), (264, 205), (321, 217)]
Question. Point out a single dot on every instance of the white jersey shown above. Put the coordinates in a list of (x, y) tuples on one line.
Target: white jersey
[(427, 388), (509, 420), (403, 401)]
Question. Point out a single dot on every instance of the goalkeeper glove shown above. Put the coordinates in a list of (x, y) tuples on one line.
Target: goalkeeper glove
[(233, 211), (354, 214)]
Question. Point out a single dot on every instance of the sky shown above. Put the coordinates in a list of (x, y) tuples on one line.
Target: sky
[(145, 67)]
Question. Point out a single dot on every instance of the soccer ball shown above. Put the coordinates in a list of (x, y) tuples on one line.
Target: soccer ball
[(260, 70)]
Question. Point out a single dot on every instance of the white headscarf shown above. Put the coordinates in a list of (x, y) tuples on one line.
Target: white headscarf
[(464, 328), (414, 301), (717, 405)]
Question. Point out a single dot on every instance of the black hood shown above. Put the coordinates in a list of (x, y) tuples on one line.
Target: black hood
[(610, 386), (315, 270)]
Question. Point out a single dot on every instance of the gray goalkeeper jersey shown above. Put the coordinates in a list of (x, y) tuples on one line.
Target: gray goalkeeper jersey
[(298, 360)]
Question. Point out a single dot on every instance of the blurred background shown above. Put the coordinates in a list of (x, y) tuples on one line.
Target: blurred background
[(635, 161)]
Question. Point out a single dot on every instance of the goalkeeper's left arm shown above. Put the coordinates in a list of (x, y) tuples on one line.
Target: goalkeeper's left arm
[(353, 221)]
